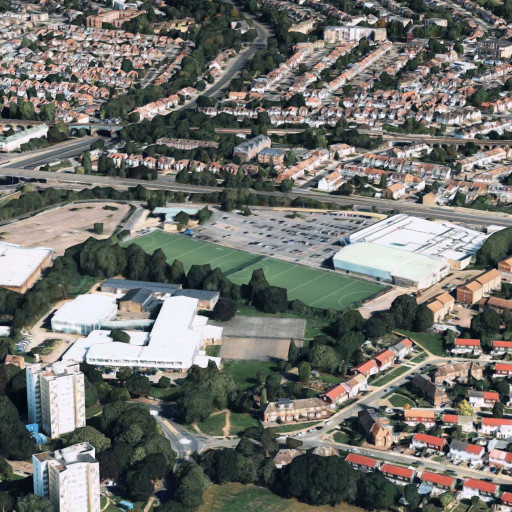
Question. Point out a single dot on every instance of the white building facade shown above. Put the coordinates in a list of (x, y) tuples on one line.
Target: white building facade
[(56, 397)]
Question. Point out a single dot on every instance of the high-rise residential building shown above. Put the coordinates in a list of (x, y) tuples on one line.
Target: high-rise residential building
[(56, 397), (70, 478)]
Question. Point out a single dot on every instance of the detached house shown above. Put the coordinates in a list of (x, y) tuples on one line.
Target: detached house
[(481, 399)]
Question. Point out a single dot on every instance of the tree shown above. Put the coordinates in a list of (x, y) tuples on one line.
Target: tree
[(424, 318), (33, 503), (304, 371), (86, 162), (98, 228), (293, 353), (90, 435), (126, 65), (404, 309), (6, 502), (193, 405), (224, 310), (323, 357), (139, 485), (486, 324), (6, 472), (463, 408), (498, 410), (376, 492), (446, 498), (138, 384), (120, 336), (183, 218), (412, 496), (164, 382), (192, 483), (170, 506)]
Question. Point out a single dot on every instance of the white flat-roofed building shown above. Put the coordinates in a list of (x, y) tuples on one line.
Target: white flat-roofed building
[(13, 142), (21, 267), (56, 397), (443, 241), (391, 265), (69, 477), (84, 314), (175, 342)]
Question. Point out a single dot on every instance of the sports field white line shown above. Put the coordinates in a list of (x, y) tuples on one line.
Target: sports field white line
[(332, 293), (306, 283)]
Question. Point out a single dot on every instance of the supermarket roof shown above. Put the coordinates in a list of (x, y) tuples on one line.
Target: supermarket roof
[(18, 263), (398, 263)]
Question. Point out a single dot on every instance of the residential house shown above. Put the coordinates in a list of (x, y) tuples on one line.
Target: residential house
[(441, 483), (486, 491), (395, 191), (366, 368), (356, 385), (466, 346), (384, 359), (336, 395), (450, 373), (505, 266), (474, 291), (466, 452), (284, 456), (362, 463), (501, 347), (441, 306), (431, 443), (286, 410), (465, 422), (500, 459), (377, 430), (414, 417), (482, 399), (398, 474), (503, 369), (505, 504), (433, 392), (499, 305), (402, 349), (497, 427)]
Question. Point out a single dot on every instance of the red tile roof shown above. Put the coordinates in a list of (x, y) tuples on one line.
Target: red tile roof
[(425, 438), (462, 342), (473, 483), (502, 344), (473, 448), (407, 342), (366, 366), (506, 497), (450, 418), (384, 356), (434, 478), (336, 391), (496, 422), (504, 367), (491, 395), (397, 470), (361, 460), (419, 413)]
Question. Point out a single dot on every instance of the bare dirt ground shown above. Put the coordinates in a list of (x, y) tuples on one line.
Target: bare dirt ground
[(65, 226), (254, 349), (382, 302)]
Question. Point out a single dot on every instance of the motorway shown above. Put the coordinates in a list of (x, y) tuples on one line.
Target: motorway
[(463, 215)]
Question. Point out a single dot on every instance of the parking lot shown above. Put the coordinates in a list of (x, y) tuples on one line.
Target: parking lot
[(308, 237)]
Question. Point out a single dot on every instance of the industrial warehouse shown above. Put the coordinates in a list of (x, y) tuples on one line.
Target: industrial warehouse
[(408, 251), (21, 267), (442, 241)]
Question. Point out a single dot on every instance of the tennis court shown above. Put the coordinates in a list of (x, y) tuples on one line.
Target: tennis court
[(315, 287)]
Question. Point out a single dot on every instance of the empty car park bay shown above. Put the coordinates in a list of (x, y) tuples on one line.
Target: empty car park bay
[(315, 287)]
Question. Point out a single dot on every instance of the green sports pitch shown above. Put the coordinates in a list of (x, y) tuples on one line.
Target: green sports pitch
[(315, 287)]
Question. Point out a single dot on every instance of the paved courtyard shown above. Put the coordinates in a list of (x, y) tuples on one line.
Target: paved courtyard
[(264, 327)]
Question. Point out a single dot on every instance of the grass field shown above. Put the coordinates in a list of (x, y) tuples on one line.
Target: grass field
[(245, 373), (429, 341), (400, 400), (213, 425), (390, 376), (315, 287), (235, 497), (295, 426), (239, 422)]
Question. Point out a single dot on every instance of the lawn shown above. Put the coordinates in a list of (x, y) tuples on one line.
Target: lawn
[(390, 376), (429, 341), (239, 422), (213, 425), (212, 350), (235, 497), (341, 437), (245, 373), (315, 287), (93, 410), (82, 284), (400, 400), (295, 426)]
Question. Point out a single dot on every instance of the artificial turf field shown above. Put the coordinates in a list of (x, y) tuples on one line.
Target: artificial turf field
[(315, 287)]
